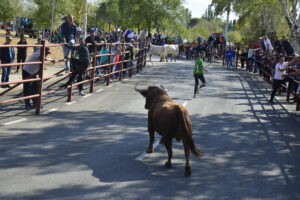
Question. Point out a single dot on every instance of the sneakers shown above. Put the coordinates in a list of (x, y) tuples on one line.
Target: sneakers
[(271, 101), (202, 85), (81, 94), (194, 96)]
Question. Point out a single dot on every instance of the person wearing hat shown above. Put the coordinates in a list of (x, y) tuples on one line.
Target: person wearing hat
[(30, 71), (7, 55), (22, 52)]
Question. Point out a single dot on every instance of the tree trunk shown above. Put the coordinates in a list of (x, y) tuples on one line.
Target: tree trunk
[(149, 27), (293, 24)]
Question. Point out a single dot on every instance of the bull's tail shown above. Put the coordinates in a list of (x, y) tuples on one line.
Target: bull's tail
[(187, 133)]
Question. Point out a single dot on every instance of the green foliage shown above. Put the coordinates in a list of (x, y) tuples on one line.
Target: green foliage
[(6, 10), (234, 37)]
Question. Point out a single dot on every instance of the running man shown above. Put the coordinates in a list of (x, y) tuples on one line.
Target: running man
[(198, 72)]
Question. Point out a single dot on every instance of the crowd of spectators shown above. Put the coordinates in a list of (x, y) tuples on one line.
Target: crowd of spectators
[(264, 55)]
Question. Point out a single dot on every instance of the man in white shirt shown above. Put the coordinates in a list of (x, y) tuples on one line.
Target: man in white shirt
[(30, 71), (280, 72), (268, 44)]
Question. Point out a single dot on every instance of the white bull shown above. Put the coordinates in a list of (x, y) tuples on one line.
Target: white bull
[(157, 50), (171, 49)]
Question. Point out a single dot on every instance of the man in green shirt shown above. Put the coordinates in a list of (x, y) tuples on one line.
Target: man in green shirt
[(198, 72)]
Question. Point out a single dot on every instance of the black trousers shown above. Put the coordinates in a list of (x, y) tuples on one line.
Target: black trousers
[(20, 59), (197, 77), (79, 69), (276, 83), (29, 88)]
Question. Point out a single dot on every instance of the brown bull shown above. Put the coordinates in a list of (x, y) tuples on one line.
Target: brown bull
[(170, 121)]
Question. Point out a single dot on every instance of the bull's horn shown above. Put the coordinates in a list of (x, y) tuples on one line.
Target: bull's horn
[(136, 89), (163, 88)]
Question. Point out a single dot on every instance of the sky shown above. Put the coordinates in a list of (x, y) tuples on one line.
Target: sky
[(198, 7)]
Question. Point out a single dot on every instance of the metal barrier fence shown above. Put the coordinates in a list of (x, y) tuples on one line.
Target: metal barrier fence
[(140, 64), (266, 69)]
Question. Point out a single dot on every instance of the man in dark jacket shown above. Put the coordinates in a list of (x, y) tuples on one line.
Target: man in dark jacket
[(68, 34), (7, 55), (79, 65), (287, 46), (22, 52)]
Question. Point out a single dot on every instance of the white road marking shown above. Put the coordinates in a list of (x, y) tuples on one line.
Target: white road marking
[(111, 85), (70, 103), (100, 90), (49, 111), (88, 95), (143, 155), (185, 103), (14, 122)]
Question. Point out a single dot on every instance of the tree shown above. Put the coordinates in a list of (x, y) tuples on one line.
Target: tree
[(291, 12), (6, 10), (209, 13), (234, 37)]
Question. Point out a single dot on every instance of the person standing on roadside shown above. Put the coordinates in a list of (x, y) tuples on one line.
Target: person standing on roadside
[(7, 55), (198, 72), (229, 56), (22, 52), (68, 34), (280, 73), (30, 71)]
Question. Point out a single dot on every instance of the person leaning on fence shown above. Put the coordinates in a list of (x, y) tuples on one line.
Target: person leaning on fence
[(22, 52), (279, 76), (7, 55), (198, 72), (251, 57), (29, 72), (79, 65), (68, 34)]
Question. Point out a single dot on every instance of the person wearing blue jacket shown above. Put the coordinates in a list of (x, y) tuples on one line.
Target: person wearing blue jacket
[(7, 55), (229, 56)]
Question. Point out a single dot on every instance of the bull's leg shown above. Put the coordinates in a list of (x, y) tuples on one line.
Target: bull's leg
[(150, 147), (168, 145), (187, 158)]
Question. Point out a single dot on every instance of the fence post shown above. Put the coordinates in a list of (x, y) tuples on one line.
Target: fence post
[(223, 52), (210, 55), (298, 103), (40, 82), (122, 61), (237, 56), (93, 73), (109, 67)]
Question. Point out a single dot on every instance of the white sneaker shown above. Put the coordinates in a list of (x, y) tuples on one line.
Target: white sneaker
[(81, 94)]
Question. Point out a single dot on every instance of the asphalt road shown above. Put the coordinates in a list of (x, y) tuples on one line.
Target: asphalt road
[(88, 150)]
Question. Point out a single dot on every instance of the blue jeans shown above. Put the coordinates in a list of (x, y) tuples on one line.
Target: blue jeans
[(98, 70), (66, 52), (251, 63), (229, 62), (5, 74)]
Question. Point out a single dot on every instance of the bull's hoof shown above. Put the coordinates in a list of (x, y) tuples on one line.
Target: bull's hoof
[(168, 164), (149, 150), (187, 171)]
